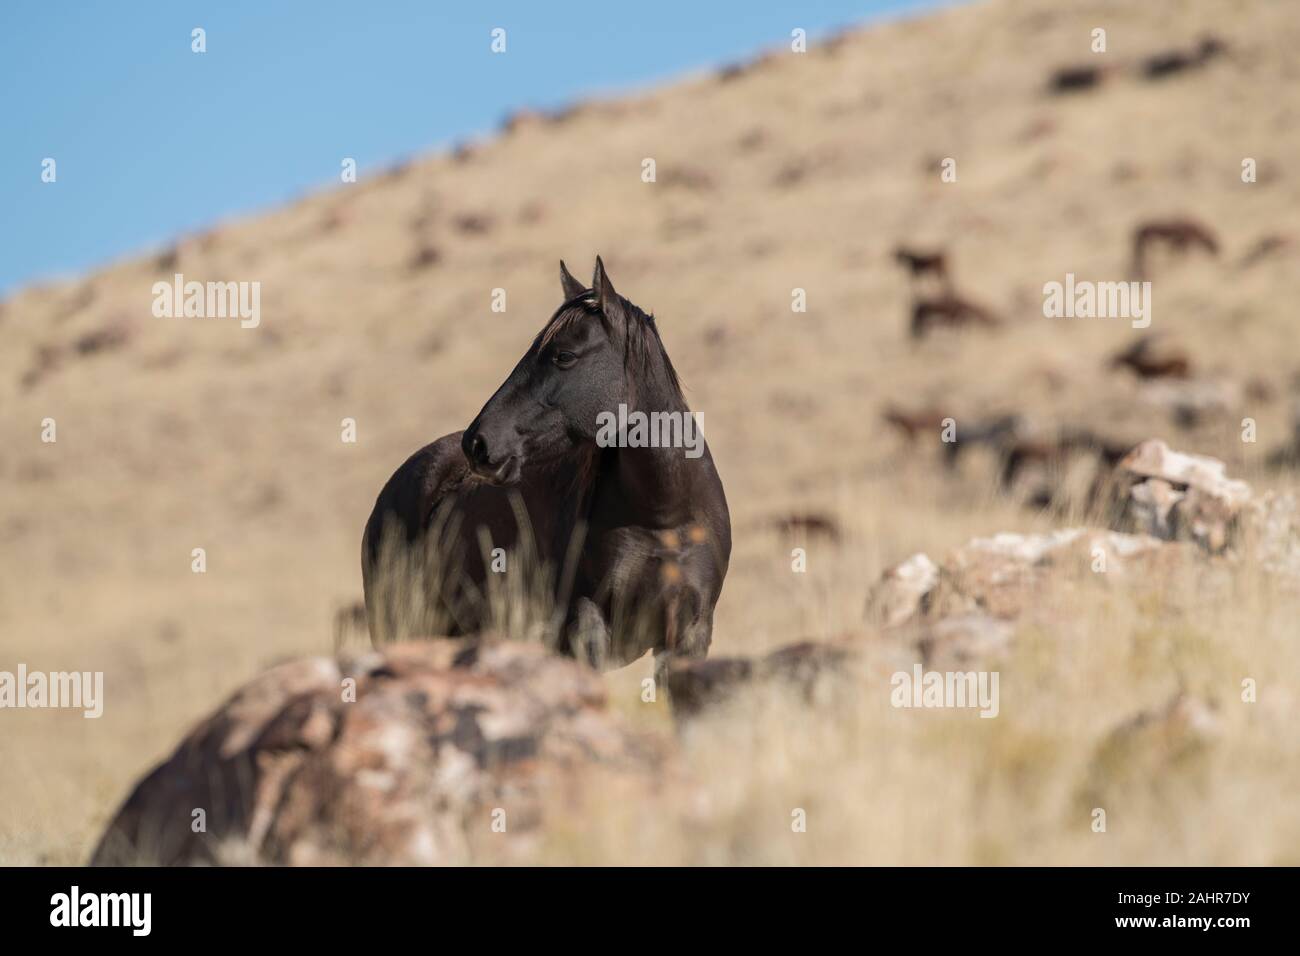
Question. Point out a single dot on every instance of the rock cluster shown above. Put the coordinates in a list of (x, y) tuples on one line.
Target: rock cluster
[(1177, 496), (1172, 511), (421, 755)]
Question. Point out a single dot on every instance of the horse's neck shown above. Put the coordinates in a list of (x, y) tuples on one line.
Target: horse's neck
[(655, 484), (562, 493), (647, 486)]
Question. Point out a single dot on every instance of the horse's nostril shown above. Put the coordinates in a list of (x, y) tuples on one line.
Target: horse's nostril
[(475, 448)]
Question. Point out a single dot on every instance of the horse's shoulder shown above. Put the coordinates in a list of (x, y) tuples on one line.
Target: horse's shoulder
[(440, 465), (419, 484)]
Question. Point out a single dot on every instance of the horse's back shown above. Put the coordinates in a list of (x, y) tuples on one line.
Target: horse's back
[(413, 491), (399, 521)]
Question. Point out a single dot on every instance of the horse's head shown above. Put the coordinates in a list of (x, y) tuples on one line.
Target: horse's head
[(578, 366)]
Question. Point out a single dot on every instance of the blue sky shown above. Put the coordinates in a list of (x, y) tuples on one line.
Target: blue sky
[(152, 140)]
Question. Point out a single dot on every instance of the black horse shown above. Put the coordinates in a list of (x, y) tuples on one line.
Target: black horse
[(621, 533)]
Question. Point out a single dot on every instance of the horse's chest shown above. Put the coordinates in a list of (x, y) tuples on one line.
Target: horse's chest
[(640, 562)]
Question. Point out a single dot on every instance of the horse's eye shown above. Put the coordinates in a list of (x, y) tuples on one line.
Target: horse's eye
[(565, 359)]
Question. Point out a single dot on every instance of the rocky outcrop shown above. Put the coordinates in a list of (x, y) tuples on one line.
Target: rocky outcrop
[(966, 609), (952, 615), (1174, 512), (442, 752), (1177, 496), (1003, 576), (902, 591)]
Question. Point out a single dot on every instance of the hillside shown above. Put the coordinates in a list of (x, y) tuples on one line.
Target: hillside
[(798, 171)]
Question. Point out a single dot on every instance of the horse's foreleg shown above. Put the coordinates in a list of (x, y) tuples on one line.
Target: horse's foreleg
[(587, 633), (688, 634)]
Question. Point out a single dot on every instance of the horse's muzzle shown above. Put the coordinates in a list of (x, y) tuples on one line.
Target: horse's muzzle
[(503, 472)]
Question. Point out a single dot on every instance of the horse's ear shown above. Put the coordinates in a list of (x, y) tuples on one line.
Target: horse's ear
[(571, 286), (606, 297)]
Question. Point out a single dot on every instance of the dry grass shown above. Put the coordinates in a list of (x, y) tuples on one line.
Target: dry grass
[(888, 786), (201, 434)]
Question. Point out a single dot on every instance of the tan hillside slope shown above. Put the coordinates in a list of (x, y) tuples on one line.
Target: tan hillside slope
[(800, 172)]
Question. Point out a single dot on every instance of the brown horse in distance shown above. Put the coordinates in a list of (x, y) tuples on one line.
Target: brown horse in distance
[(922, 264), (1170, 62), (913, 423), (1180, 235), (1146, 360), (951, 311)]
